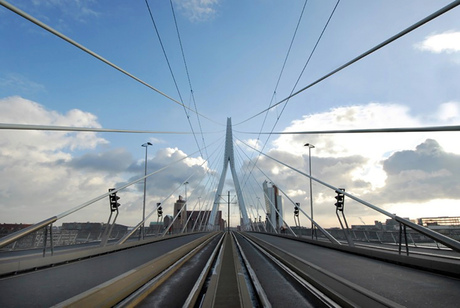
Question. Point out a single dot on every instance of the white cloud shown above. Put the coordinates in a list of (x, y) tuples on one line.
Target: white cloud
[(373, 115), (154, 140), (36, 182), (448, 42), (76, 9), (20, 83), (255, 143), (356, 161), (18, 110), (197, 10), (294, 193), (371, 145), (42, 175), (449, 112)]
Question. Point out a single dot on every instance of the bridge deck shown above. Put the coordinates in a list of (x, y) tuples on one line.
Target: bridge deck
[(47, 287), (400, 284), (407, 286)]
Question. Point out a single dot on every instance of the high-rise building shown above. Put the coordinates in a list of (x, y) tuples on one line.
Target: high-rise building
[(273, 201), (182, 217)]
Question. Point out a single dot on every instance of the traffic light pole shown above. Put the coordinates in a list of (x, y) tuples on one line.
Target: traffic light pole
[(113, 202), (296, 218), (340, 207)]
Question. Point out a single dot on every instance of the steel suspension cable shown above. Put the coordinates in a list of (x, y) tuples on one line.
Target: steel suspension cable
[(447, 241), (121, 241), (300, 75), (92, 53), (8, 126), (282, 68), (188, 75), (451, 128), (172, 74), (284, 63), (409, 29), (306, 64), (270, 201)]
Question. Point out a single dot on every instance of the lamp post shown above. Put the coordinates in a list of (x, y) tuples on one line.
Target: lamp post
[(185, 184), (228, 224), (185, 208), (310, 146), (145, 186)]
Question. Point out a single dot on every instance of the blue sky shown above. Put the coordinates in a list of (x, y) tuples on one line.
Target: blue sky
[(234, 52)]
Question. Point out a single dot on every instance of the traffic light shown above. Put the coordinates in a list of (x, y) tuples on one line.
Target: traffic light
[(296, 209), (113, 198), (159, 210), (340, 199)]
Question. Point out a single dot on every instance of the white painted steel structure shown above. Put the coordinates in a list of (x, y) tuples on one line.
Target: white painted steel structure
[(229, 159)]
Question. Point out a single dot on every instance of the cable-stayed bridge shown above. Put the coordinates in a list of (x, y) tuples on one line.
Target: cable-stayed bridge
[(195, 258), (221, 269)]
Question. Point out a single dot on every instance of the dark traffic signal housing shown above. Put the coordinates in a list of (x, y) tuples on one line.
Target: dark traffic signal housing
[(340, 199), (113, 199)]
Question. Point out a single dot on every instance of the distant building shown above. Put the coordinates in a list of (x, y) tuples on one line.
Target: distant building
[(156, 227), (166, 222), (197, 220), (377, 226), (448, 226), (6, 229), (391, 224), (180, 209), (273, 201), (439, 222)]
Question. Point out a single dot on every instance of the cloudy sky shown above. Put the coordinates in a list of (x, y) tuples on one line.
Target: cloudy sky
[(235, 52)]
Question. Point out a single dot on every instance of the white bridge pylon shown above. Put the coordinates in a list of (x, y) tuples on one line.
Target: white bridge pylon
[(229, 158)]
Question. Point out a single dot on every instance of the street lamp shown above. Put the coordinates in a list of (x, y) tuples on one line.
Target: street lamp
[(145, 186), (185, 208), (310, 146), (185, 184)]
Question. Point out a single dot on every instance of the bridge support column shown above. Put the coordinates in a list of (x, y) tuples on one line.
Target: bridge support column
[(229, 159)]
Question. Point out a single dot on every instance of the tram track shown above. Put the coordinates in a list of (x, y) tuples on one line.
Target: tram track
[(288, 279), (233, 270)]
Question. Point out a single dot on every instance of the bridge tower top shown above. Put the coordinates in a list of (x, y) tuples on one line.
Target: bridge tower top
[(229, 159)]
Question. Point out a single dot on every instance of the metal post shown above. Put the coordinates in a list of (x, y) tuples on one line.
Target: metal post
[(310, 146), (107, 237), (228, 224), (412, 239), (185, 184), (106, 230), (45, 238), (145, 186), (52, 239), (185, 204), (394, 240), (405, 239)]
